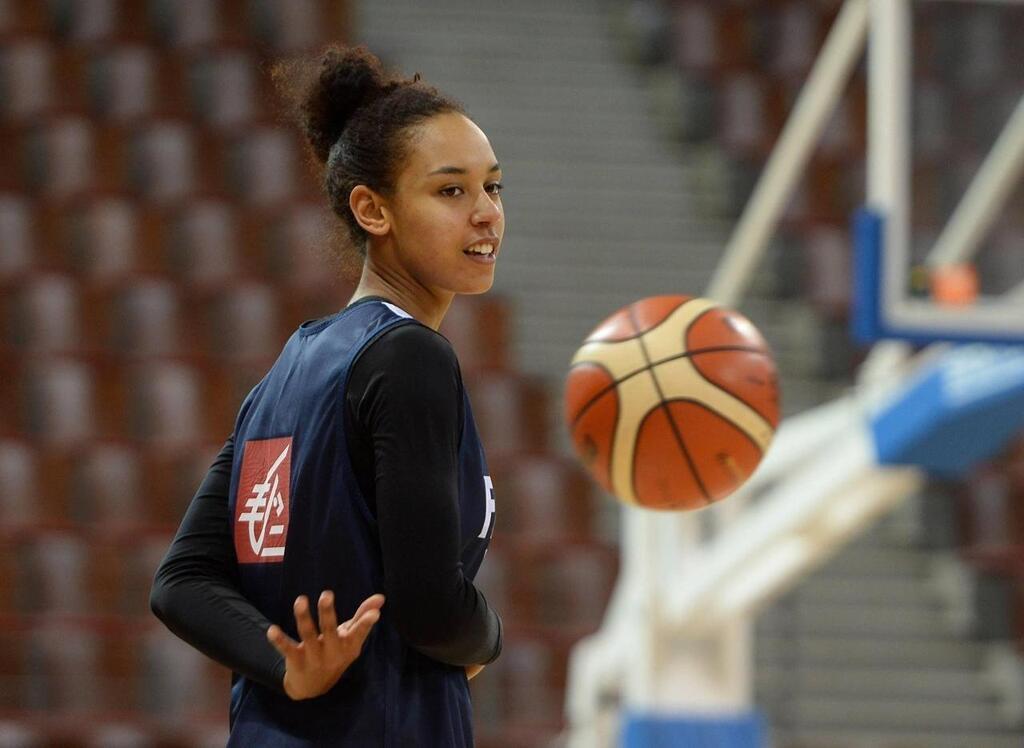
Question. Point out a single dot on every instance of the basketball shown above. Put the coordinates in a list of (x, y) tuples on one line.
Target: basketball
[(672, 401)]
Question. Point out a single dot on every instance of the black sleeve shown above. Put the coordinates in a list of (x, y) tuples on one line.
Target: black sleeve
[(406, 397), (196, 589)]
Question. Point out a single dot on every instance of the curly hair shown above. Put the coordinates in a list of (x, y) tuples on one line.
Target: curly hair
[(357, 118)]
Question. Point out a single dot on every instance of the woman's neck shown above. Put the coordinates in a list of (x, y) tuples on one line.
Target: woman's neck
[(426, 307)]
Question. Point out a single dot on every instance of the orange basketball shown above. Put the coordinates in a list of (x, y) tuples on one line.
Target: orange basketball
[(672, 401)]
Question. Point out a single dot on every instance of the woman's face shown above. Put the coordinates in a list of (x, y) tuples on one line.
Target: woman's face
[(446, 201)]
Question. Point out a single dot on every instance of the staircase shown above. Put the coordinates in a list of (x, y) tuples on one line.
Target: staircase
[(863, 655)]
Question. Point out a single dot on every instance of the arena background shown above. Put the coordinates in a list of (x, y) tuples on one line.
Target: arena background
[(162, 232)]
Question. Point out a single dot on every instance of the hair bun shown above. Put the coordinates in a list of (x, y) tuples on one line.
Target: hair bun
[(349, 78)]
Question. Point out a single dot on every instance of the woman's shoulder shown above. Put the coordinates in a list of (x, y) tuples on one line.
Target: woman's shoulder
[(414, 345)]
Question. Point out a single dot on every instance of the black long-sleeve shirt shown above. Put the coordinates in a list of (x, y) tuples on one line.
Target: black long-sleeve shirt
[(409, 476)]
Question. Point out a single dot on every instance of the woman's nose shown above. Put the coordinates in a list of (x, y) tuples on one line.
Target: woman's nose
[(487, 209)]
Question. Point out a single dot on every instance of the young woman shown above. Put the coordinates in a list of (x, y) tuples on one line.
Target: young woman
[(355, 467)]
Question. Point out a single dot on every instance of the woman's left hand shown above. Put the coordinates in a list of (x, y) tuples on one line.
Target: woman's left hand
[(314, 665)]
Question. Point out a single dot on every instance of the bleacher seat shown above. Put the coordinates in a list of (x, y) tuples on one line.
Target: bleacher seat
[(243, 321), (18, 499), (46, 315), (797, 41), (59, 157), (543, 499), (166, 406), (572, 584), (141, 317), (478, 329), (510, 411), (36, 482), (694, 36), (263, 165), (742, 115), (203, 253), (123, 83), (53, 573), (527, 675), (224, 88), (57, 397), (829, 271), (302, 260), (26, 78), (16, 236), (191, 26), (178, 681), (105, 240), (82, 668), (174, 477), (164, 161), (107, 488)]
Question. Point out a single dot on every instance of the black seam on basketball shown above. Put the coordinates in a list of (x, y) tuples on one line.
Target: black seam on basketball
[(721, 415), (637, 327), (671, 421), (732, 394), (617, 382)]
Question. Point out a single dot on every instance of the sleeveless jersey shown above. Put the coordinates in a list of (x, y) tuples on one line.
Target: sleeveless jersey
[(301, 525)]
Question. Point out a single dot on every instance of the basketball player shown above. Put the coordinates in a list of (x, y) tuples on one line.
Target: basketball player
[(355, 466)]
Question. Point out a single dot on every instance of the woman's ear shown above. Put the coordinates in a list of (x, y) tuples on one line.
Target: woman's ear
[(368, 208)]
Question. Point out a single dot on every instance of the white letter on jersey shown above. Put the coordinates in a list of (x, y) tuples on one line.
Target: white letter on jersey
[(489, 511)]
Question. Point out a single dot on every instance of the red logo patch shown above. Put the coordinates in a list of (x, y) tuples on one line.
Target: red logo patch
[(261, 506)]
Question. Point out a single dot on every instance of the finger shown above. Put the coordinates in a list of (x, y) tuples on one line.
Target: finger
[(355, 631), (304, 622), (328, 618), (373, 602), (284, 644)]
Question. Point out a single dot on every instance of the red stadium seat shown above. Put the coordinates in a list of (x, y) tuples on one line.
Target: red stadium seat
[(79, 668), (204, 251), (36, 486), (695, 44), (15, 665), (478, 328), (243, 320), (797, 40), (45, 315), (179, 681), (16, 237), (265, 159), (166, 407), (542, 499), (105, 240), (743, 113), (301, 259), (59, 401), (174, 476), (53, 572), (18, 475), (510, 411), (26, 73), (166, 161), (61, 157), (107, 488), (139, 317), (572, 585), (225, 88), (828, 270), (124, 83)]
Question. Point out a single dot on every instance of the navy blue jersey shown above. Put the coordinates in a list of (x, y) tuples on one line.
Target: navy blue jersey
[(301, 525)]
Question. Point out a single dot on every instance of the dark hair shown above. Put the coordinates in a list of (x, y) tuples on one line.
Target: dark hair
[(357, 118)]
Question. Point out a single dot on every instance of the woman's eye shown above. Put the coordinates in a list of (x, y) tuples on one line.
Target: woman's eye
[(451, 191), (495, 187)]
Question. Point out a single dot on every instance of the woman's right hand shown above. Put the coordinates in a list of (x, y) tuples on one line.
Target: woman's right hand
[(314, 665)]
